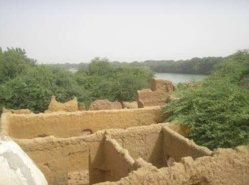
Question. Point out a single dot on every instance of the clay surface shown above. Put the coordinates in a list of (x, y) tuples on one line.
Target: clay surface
[(154, 154), (108, 154), (70, 106), (105, 105), (130, 105), (19, 111), (124, 147), (225, 166), (64, 124), (157, 95), (162, 85), (147, 97)]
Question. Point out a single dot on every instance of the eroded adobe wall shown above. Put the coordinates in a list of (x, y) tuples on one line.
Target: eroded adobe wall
[(146, 142), (176, 146), (67, 124), (55, 106), (225, 166), (58, 157), (118, 162), (162, 85), (158, 94), (130, 105), (147, 97), (105, 105), (142, 142), (156, 143), (19, 111)]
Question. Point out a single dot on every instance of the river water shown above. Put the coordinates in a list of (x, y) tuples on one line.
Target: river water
[(177, 78), (173, 77)]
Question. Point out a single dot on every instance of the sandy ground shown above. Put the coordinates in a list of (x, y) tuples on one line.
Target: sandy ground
[(78, 178)]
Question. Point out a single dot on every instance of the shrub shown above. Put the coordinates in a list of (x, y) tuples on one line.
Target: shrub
[(217, 109)]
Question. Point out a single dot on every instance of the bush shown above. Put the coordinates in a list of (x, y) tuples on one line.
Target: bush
[(23, 84), (217, 109)]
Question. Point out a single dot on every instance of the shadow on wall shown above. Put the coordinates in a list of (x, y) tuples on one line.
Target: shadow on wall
[(157, 154), (122, 149), (97, 168)]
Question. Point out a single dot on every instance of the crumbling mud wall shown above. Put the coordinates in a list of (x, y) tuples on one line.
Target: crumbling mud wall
[(142, 142), (176, 146), (70, 106), (19, 111), (105, 105), (118, 163), (109, 155), (157, 95), (58, 157), (129, 105), (147, 97), (154, 154), (146, 142), (162, 85), (65, 124), (224, 166)]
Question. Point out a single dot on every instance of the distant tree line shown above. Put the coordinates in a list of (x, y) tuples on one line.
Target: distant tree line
[(192, 66)]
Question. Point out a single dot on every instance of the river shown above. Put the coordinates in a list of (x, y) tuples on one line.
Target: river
[(174, 77), (177, 78)]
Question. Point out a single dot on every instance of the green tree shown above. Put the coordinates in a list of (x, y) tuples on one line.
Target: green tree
[(13, 62), (128, 80), (217, 109), (99, 67)]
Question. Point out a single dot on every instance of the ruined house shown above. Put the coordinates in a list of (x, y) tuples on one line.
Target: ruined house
[(125, 146)]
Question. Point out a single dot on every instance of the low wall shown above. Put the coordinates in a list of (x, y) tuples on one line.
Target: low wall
[(57, 157), (67, 124), (147, 97), (118, 162), (177, 146), (225, 166), (142, 142), (147, 142)]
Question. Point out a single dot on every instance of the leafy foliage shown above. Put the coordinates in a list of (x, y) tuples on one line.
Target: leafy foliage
[(13, 62), (106, 81), (24, 84), (217, 109)]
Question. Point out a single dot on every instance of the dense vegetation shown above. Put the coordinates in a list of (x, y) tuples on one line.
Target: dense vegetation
[(24, 84), (217, 109), (192, 66)]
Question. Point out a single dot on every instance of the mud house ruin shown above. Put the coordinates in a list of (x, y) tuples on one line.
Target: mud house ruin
[(154, 154), (108, 155), (125, 146)]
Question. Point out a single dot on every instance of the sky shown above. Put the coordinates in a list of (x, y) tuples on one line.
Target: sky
[(74, 31)]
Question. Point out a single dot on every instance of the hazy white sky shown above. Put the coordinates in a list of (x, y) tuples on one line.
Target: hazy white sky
[(59, 31)]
